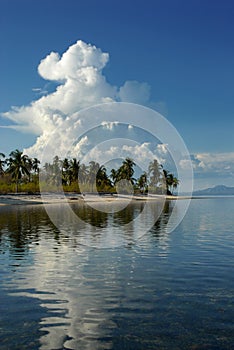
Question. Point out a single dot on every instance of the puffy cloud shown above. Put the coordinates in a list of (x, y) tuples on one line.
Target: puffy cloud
[(109, 125), (81, 147), (211, 169), (218, 164), (211, 165), (162, 148), (140, 152), (185, 163), (112, 150), (135, 92), (80, 61), (81, 84)]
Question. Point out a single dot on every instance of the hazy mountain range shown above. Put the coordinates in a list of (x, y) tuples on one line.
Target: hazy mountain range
[(215, 191)]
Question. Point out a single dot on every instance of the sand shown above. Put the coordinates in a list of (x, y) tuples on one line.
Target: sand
[(53, 198)]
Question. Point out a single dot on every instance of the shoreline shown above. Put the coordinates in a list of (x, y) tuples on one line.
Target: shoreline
[(72, 198), (53, 198)]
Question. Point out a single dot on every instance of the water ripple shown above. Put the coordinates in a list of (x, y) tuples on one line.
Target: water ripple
[(165, 291)]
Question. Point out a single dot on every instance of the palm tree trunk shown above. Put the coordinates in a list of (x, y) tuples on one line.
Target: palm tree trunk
[(16, 184)]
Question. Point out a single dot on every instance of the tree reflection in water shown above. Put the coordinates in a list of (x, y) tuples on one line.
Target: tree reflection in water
[(22, 226), (161, 223), (72, 284)]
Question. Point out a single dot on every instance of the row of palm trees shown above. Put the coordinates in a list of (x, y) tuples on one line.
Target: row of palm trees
[(23, 169)]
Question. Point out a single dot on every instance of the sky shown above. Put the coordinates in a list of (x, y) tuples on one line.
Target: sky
[(176, 57)]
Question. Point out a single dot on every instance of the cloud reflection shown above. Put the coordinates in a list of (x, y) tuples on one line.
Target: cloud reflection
[(79, 286)]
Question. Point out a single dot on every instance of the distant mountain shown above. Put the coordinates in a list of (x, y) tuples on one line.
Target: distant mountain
[(220, 190)]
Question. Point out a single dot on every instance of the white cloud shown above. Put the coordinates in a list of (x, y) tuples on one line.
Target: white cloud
[(135, 92), (215, 160), (81, 60), (36, 89), (162, 148), (185, 163), (109, 125), (121, 148), (80, 148), (217, 164), (81, 85), (211, 169)]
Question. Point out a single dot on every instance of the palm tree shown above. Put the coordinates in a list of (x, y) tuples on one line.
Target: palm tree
[(103, 180), (29, 167), (123, 177), (66, 176), (175, 183), (114, 176), (93, 170), (83, 174), (154, 173), (166, 174), (74, 168), (126, 170), (35, 165), (2, 163), (18, 165), (56, 171), (171, 181), (47, 170), (142, 182)]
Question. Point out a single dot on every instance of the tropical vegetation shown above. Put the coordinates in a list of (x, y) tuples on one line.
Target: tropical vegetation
[(20, 173)]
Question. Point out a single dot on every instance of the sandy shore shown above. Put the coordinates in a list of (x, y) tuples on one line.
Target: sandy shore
[(26, 199)]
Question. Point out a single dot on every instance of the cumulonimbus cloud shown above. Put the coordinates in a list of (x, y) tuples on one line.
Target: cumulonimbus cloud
[(81, 84)]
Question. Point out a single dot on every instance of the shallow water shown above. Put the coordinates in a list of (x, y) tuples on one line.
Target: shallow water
[(160, 291)]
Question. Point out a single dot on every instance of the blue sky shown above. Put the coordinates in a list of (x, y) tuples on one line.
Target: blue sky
[(182, 49)]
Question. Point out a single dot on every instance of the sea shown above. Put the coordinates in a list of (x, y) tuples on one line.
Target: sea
[(162, 289)]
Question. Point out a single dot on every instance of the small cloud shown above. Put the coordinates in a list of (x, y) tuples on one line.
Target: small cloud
[(109, 125), (185, 164), (40, 91), (162, 148)]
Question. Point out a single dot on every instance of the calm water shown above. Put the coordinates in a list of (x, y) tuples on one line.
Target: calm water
[(164, 291)]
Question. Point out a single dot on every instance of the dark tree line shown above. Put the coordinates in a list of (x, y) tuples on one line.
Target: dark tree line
[(18, 168)]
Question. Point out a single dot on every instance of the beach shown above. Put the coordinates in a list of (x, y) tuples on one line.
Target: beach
[(53, 198)]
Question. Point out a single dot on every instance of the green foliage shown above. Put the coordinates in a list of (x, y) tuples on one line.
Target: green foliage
[(6, 188), (30, 187), (21, 174), (73, 187), (18, 166)]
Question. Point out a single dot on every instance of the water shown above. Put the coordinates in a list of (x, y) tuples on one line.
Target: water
[(163, 291)]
